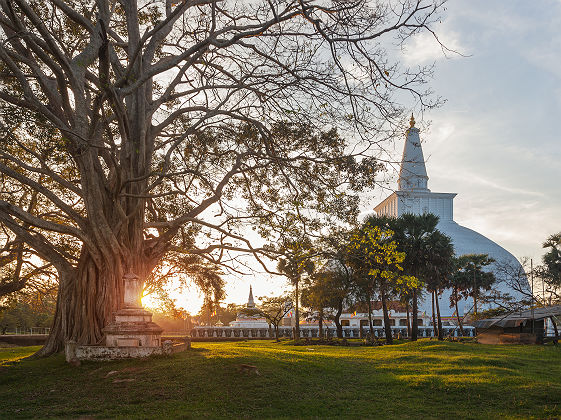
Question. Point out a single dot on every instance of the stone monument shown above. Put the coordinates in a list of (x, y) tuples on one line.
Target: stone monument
[(132, 334), (133, 326)]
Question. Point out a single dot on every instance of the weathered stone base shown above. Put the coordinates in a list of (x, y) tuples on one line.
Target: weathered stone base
[(114, 353), (103, 353), (133, 327)]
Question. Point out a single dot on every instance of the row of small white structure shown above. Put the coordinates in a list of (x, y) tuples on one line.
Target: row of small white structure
[(313, 331)]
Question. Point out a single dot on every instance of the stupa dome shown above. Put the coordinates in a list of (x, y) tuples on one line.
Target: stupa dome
[(414, 196)]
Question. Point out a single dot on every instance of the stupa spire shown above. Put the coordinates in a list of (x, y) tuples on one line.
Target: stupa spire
[(413, 173), (250, 302)]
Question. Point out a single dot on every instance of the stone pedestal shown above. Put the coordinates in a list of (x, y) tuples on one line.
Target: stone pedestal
[(131, 335), (133, 326)]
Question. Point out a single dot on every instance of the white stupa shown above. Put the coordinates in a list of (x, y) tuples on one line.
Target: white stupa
[(249, 321), (413, 196)]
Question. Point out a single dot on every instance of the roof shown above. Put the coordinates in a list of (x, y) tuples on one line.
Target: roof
[(515, 319)]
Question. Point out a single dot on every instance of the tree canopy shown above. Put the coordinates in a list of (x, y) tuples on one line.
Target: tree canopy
[(141, 133), (550, 271), (376, 260)]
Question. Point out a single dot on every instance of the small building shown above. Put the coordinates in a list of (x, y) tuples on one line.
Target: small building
[(525, 327), (396, 311)]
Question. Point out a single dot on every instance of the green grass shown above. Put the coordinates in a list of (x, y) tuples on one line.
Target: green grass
[(426, 379)]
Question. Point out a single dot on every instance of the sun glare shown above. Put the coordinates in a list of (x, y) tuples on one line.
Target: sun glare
[(189, 300)]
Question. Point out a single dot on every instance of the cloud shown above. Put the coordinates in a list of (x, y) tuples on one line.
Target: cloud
[(424, 48)]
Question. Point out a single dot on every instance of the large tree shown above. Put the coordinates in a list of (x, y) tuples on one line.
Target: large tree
[(471, 273), (137, 131), (337, 275), (317, 297), (295, 263), (376, 260), (413, 233)]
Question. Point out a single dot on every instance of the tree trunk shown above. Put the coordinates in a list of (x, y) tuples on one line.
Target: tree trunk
[(387, 326), (415, 326), (434, 327), (86, 302), (276, 332), (88, 297), (338, 320), (408, 319), (56, 339), (371, 328), (438, 317), (296, 311), (458, 313), (474, 304)]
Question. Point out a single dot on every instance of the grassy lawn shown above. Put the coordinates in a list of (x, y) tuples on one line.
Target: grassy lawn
[(426, 379)]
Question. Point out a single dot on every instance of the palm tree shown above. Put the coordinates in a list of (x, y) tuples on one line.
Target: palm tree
[(438, 269), (412, 232), (405, 298)]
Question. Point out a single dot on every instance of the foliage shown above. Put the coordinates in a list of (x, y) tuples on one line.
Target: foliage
[(295, 263), (21, 268), (181, 272), (491, 313), (317, 295), (296, 259), (440, 263), (438, 269), (550, 271), (139, 133), (426, 379), (211, 314), (470, 278), (376, 261), (335, 273), (22, 311), (413, 233), (375, 255), (273, 309)]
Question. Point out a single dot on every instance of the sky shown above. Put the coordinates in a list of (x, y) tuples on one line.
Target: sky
[(495, 141)]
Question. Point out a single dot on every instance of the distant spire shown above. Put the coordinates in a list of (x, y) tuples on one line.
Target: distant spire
[(250, 302), (413, 173)]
